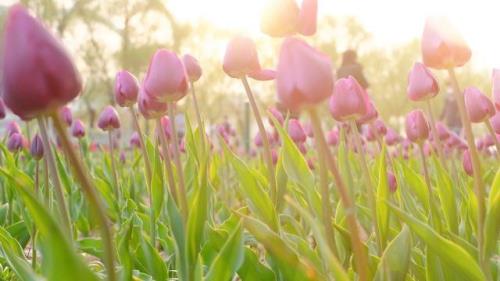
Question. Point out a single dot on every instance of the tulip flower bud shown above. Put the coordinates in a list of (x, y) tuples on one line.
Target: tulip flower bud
[(38, 74), (479, 107), (36, 149), (241, 58), (379, 126), (192, 66), (126, 89), (370, 115), (332, 137), (442, 46), (392, 137), (417, 128), (393, 184), (277, 115), (12, 127), (135, 140), (15, 142), (308, 17), (495, 122), (66, 115), (149, 107), (258, 140), (78, 129), (296, 131), (442, 132), (304, 75), (302, 147), (123, 157), (280, 18), (349, 101), (166, 127), (467, 163), (496, 88), (166, 79), (422, 84), (108, 120), (3, 111)]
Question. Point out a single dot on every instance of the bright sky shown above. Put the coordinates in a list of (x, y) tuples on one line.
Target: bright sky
[(390, 21)]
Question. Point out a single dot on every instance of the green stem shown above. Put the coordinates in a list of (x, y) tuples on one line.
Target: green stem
[(493, 134), (440, 150), (33, 239), (61, 203), (145, 155), (93, 198), (265, 140), (113, 169), (434, 216), (360, 255)]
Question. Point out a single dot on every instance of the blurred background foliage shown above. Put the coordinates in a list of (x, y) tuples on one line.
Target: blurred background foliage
[(106, 36)]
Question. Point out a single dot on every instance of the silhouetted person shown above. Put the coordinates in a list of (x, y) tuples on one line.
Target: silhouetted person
[(450, 114), (350, 66)]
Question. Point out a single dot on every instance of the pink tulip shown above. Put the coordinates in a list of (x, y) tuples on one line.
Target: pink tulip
[(277, 115), (38, 74), (310, 164), (370, 115), (12, 127), (166, 79), (192, 66), (495, 122), (149, 107), (166, 126), (393, 184), (263, 75), (126, 88), (417, 128), (442, 46), (379, 126), (304, 75), (496, 87), (3, 111), (332, 137), (479, 107), (442, 132), (241, 57), (258, 140), (308, 17), (367, 133), (281, 18), (348, 101), (488, 141), (392, 137), (36, 149), (302, 147), (15, 142), (422, 85), (467, 163), (123, 157), (135, 140), (78, 129), (108, 120), (66, 115), (296, 131), (274, 156)]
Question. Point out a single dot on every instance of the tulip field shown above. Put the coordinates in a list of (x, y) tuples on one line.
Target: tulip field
[(299, 199)]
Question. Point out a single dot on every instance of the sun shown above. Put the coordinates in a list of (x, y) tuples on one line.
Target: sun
[(241, 15)]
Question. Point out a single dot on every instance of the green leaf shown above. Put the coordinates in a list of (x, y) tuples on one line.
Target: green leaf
[(292, 268), (382, 197), (446, 195), (13, 253), (452, 254), (157, 182), (396, 258), (252, 270), (492, 222), (417, 184), (229, 259), (177, 227), (56, 249)]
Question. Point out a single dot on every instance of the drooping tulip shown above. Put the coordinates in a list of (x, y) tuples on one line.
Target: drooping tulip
[(467, 163), (296, 131), (241, 58), (36, 149), (304, 75), (12, 127), (78, 129), (479, 106), (496, 87), (108, 120), (348, 101), (442, 46), (422, 85), (192, 66), (66, 115), (149, 107), (417, 128), (126, 88), (281, 18), (15, 142), (3, 112), (135, 140), (38, 74), (495, 122), (166, 79), (308, 17)]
